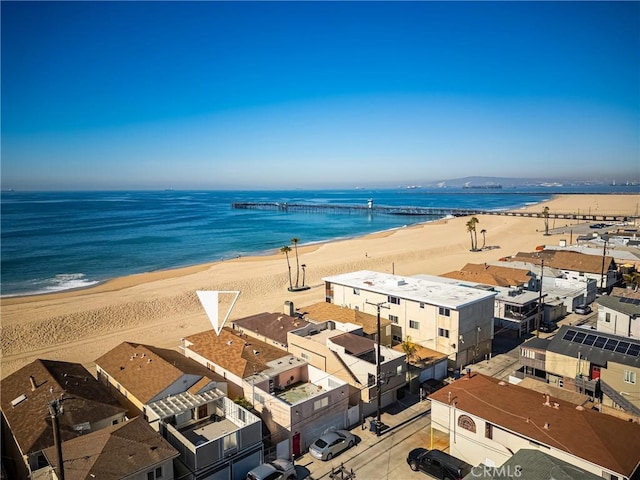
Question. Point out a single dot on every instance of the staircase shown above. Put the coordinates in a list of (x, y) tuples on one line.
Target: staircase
[(619, 399)]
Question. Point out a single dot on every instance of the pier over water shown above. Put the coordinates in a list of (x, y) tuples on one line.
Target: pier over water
[(420, 211)]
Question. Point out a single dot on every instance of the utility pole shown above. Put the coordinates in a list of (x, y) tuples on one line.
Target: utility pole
[(378, 374), (540, 306), (604, 237), (57, 441)]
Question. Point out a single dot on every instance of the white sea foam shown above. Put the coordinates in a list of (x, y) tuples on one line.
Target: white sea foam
[(68, 281)]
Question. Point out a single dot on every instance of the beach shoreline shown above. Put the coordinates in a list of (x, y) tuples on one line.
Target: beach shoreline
[(159, 308)]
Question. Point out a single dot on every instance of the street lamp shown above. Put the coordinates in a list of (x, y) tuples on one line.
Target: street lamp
[(540, 306), (378, 374), (604, 237)]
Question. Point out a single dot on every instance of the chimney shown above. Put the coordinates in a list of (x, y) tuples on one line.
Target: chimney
[(547, 426), (288, 308), (32, 380)]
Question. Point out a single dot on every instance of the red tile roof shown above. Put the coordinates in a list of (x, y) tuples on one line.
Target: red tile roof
[(596, 437)]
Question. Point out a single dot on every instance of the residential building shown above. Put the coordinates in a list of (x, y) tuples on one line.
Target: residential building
[(217, 438), (129, 451), (489, 420), (619, 315), (84, 406), (143, 374), (187, 404), (342, 350), (450, 319), (602, 365), (271, 328), (296, 401), (515, 308), (496, 275), (575, 265), (531, 464), (323, 312)]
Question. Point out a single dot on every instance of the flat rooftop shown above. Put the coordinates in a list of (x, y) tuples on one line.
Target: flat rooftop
[(208, 430), (411, 288), (298, 392)]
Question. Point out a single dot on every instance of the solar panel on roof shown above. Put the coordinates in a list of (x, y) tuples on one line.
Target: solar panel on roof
[(600, 341), (569, 335), (634, 350), (579, 337), (611, 344), (589, 340), (632, 301), (622, 347)]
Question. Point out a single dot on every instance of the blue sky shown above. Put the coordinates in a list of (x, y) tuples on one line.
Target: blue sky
[(120, 95)]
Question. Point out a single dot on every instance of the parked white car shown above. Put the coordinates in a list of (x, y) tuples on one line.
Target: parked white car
[(278, 469)]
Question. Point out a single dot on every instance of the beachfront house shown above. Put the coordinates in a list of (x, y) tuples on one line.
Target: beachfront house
[(40, 390), (342, 350), (188, 405), (450, 319), (128, 450), (488, 420), (296, 401), (575, 266)]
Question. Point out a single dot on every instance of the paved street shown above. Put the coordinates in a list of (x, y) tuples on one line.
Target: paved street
[(384, 457)]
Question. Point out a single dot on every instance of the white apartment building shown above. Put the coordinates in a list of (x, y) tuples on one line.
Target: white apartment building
[(451, 319)]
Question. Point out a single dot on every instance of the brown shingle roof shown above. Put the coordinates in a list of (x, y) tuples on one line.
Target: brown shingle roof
[(114, 452), (85, 400), (274, 326), (354, 344), (234, 352), (515, 276), (484, 278), (599, 438), (566, 260), (323, 311), (145, 371)]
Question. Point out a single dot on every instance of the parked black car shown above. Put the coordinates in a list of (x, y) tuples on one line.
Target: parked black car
[(437, 464), (548, 326)]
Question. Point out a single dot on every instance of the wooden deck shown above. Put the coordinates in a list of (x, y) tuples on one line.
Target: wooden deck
[(422, 211)]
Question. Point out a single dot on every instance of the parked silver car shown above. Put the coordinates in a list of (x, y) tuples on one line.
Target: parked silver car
[(332, 443), (278, 469), (582, 309)]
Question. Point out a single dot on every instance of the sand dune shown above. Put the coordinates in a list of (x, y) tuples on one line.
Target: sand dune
[(161, 307)]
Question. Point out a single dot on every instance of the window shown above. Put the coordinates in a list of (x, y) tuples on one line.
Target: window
[(443, 332), (393, 318), (394, 300), (414, 324), (305, 355), (445, 312), (371, 380), (399, 370), (488, 431), (242, 415), (466, 422), (154, 475), (231, 442), (258, 398), (421, 304), (397, 339), (318, 404), (356, 291), (629, 376), (607, 317)]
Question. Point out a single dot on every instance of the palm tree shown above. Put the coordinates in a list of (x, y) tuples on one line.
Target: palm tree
[(484, 238), (409, 348), (632, 280), (295, 241), (286, 249), (471, 228), (545, 214)]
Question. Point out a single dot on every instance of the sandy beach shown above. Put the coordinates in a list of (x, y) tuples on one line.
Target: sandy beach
[(160, 308)]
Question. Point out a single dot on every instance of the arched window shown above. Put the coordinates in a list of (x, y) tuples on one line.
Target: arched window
[(466, 422)]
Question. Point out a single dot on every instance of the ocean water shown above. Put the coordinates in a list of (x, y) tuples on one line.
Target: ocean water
[(53, 241)]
